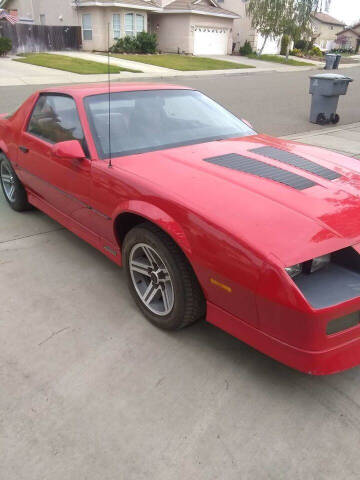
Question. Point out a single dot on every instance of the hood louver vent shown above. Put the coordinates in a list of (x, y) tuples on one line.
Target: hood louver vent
[(296, 161), (261, 169)]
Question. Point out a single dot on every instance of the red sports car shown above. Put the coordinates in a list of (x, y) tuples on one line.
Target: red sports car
[(260, 235)]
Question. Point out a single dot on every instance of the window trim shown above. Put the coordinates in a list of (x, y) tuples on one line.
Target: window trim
[(51, 94), (119, 26), (134, 30), (143, 17), (125, 26), (86, 29)]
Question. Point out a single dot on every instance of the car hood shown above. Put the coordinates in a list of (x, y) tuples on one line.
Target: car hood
[(275, 219)]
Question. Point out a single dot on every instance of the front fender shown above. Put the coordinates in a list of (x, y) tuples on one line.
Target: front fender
[(3, 147), (160, 218)]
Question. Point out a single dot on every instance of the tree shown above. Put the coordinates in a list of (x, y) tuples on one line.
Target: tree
[(273, 18), (266, 18), (296, 19)]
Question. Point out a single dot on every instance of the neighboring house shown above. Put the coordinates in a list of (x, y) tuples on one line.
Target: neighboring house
[(44, 12), (243, 30), (325, 30), (199, 27), (349, 38)]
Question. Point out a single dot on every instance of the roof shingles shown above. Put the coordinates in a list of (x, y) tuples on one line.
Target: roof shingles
[(325, 18), (203, 6), (189, 6), (147, 4)]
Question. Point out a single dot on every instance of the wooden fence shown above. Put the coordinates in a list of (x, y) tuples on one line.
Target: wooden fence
[(28, 38)]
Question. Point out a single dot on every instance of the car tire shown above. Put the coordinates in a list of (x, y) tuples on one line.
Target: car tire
[(12, 188), (161, 279)]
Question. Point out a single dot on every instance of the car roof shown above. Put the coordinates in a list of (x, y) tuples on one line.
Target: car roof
[(99, 88)]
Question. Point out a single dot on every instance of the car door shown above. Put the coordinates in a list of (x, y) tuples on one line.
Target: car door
[(63, 183)]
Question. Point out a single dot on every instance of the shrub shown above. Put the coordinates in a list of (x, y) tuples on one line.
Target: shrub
[(284, 44), (315, 52), (343, 50), (246, 49), (5, 45), (304, 45), (144, 42), (297, 52), (124, 45), (301, 45)]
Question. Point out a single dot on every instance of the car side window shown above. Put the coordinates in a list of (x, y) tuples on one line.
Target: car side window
[(55, 119)]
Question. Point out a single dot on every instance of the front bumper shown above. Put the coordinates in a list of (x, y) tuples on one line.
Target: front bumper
[(341, 352)]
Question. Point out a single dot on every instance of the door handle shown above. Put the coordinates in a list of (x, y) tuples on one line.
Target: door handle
[(24, 149)]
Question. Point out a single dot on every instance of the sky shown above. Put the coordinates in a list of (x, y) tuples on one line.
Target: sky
[(346, 10)]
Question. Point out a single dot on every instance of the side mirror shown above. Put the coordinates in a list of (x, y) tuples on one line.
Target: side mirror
[(247, 123), (71, 149)]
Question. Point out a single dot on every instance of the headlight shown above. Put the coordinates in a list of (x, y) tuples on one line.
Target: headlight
[(309, 267), (295, 270), (320, 262)]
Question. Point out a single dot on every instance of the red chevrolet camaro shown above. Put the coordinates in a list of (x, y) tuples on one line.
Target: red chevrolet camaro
[(258, 234)]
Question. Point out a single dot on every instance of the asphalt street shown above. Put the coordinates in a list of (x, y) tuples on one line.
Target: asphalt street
[(275, 103), (91, 391)]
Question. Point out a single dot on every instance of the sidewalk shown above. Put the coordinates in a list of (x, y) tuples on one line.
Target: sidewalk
[(265, 65), (345, 140)]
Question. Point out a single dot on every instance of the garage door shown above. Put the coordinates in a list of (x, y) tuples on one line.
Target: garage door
[(210, 41), (272, 45)]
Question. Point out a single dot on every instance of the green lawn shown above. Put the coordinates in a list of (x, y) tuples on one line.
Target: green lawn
[(280, 59), (70, 64), (182, 62)]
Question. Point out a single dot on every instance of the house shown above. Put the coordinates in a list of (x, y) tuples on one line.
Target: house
[(326, 28), (349, 38), (43, 12), (200, 27), (243, 31)]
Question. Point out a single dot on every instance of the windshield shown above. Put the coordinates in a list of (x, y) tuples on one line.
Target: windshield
[(144, 121)]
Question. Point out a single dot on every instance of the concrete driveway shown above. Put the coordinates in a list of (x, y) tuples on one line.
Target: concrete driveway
[(90, 390)]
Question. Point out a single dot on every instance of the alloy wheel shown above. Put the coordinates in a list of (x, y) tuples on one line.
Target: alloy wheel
[(151, 279), (8, 181)]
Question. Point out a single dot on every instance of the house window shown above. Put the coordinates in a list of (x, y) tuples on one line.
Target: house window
[(87, 26), (42, 19), (140, 23), (134, 23), (116, 25), (129, 24)]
